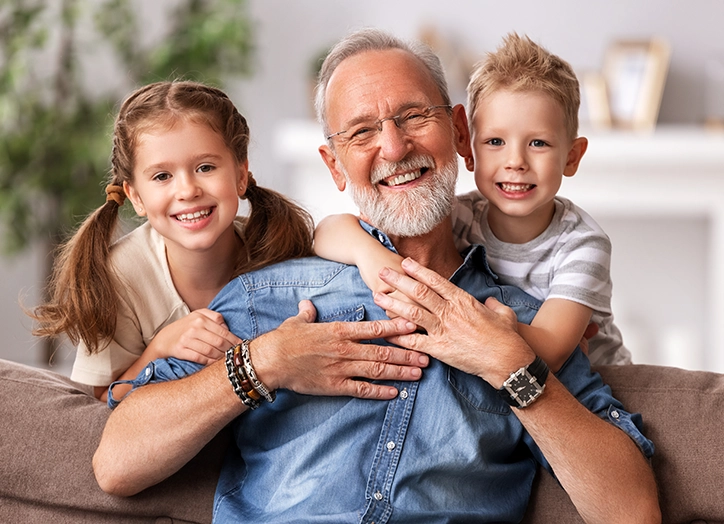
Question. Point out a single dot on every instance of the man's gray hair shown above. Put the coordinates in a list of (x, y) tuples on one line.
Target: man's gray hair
[(373, 40)]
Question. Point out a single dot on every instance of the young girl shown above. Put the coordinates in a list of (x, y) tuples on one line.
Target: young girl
[(180, 156)]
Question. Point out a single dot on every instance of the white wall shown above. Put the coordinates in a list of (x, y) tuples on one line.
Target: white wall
[(289, 33)]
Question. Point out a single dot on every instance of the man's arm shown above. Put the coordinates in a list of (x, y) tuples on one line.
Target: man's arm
[(160, 427), (601, 468)]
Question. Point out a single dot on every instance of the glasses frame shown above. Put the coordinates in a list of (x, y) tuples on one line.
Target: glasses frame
[(396, 119)]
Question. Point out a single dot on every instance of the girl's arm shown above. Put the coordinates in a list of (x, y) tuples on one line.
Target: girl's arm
[(340, 238), (556, 330), (201, 336)]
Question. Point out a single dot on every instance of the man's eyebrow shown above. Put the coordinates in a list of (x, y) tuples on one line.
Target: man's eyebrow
[(366, 118)]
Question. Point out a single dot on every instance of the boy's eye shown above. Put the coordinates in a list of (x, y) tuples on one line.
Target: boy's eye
[(538, 143), (495, 141)]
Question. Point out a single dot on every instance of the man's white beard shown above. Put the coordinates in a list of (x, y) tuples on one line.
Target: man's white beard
[(412, 212)]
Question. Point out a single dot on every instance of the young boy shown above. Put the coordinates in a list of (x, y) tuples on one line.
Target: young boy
[(523, 109)]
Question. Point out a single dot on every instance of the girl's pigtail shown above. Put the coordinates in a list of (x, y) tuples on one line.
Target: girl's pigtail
[(277, 229), (82, 300)]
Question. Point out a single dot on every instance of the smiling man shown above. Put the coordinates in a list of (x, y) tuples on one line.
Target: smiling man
[(453, 446)]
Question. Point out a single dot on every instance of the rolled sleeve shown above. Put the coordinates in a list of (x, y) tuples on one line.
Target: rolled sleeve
[(588, 387), (160, 370)]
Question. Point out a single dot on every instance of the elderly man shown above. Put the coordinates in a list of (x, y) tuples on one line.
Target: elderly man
[(453, 446)]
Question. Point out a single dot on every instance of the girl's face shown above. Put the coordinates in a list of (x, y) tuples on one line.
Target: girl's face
[(187, 182)]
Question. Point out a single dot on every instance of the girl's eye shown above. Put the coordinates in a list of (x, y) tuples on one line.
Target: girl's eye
[(205, 168), (538, 143), (161, 177)]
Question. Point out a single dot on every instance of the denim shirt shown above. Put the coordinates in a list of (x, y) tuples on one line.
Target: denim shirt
[(446, 449)]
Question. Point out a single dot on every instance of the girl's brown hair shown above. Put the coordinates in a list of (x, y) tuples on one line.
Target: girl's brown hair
[(82, 289)]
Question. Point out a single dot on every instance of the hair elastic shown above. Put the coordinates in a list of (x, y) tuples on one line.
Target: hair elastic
[(115, 192)]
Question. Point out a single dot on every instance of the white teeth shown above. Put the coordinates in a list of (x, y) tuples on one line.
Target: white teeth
[(401, 179), (184, 217), (512, 188)]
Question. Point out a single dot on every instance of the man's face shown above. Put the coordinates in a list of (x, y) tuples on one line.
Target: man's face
[(403, 183)]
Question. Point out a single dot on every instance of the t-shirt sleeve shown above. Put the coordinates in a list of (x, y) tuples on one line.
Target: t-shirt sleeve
[(100, 368), (582, 272)]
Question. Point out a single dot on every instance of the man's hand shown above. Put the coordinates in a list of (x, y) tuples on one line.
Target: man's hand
[(329, 358), (480, 339)]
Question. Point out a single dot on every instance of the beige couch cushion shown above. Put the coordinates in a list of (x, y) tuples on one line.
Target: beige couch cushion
[(50, 430)]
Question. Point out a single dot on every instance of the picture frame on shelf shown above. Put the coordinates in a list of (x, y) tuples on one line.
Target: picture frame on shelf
[(635, 75)]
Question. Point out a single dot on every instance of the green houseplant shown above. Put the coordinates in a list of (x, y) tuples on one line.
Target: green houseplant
[(55, 130)]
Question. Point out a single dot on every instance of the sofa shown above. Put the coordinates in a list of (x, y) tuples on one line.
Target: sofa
[(51, 427)]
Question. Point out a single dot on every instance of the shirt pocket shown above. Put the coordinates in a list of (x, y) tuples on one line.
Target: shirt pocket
[(351, 314), (476, 392)]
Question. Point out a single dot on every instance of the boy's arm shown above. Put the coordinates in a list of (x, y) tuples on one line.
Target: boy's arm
[(340, 238), (556, 330)]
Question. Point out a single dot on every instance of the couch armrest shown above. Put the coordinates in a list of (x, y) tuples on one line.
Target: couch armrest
[(50, 430)]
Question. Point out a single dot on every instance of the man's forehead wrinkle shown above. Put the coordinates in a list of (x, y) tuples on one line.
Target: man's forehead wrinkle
[(368, 86)]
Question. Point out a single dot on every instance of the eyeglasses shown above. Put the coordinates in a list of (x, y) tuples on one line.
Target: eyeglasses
[(412, 122)]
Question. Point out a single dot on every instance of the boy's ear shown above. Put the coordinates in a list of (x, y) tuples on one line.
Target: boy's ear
[(575, 154), (330, 159)]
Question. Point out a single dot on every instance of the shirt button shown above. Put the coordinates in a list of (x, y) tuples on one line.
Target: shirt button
[(615, 414), (378, 495), (404, 394), (390, 446)]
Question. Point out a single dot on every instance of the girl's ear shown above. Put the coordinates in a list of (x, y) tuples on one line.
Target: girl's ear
[(575, 154), (243, 178), (135, 199)]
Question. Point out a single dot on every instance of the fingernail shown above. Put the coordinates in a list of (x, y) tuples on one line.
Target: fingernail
[(407, 262), (384, 271), (424, 360), (411, 326)]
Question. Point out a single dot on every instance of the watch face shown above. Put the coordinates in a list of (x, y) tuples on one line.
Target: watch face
[(523, 388)]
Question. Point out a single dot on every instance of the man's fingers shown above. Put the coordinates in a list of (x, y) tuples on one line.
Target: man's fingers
[(307, 311), (418, 291)]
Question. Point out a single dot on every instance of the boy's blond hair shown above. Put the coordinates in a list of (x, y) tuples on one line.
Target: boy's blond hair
[(520, 65)]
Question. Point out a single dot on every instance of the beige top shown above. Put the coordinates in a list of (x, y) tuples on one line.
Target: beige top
[(147, 302)]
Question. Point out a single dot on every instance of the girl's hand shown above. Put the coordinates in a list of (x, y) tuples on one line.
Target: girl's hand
[(201, 336)]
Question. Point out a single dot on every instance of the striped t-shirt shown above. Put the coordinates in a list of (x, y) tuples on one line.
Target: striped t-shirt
[(571, 259)]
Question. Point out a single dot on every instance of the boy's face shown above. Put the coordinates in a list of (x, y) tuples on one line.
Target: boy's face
[(521, 152)]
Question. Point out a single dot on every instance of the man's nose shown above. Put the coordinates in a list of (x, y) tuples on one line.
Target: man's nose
[(394, 144)]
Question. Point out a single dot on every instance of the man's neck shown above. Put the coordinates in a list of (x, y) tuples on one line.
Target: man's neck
[(434, 250)]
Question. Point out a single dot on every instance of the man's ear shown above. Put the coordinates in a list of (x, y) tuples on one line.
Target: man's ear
[(575, 154), (330, 159), (462, 135), (135, 199)]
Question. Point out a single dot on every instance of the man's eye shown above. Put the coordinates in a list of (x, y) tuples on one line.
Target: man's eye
[(414, 117), (361, 133)]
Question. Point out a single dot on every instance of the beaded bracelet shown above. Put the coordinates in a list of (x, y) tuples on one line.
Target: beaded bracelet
[(251, 374), (250, 401)]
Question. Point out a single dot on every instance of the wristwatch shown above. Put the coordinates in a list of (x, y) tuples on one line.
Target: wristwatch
[(524, 386)]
